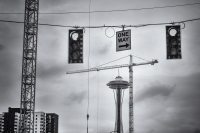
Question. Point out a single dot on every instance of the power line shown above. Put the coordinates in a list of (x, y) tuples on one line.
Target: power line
[(114, 26), (122, 10)]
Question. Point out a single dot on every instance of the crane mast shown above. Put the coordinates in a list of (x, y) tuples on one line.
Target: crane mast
[(130, 65), (28, 81), (131, 125)]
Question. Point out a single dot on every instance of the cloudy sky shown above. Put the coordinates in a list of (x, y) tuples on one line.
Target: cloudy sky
[(166, 95)]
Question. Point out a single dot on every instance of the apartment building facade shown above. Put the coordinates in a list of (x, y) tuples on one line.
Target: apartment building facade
[(10, 120), (39, 122), (51, 123), (43, 123)]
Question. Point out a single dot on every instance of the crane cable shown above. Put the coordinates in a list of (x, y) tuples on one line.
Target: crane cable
[(119, 59), (97, 101), (88, 71), (112, 61)]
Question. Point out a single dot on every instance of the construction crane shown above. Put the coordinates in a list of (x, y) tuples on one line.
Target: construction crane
[(130, 65), (28, 81)]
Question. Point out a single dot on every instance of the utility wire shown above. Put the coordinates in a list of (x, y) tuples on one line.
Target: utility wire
[(115, 26), (122, 10)]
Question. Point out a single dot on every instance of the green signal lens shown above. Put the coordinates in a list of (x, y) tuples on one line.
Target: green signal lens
[(75, 55), (173, 51)]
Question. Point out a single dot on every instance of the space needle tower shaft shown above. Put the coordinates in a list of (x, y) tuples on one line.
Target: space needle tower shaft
[(118, 85)]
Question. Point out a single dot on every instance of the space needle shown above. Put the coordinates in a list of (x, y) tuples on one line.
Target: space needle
[(118, 85)]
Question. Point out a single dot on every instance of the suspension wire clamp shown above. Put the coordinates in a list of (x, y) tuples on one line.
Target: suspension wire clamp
[(84, 29), (123, 26), (103, 26), (76, 26), (173, 23)]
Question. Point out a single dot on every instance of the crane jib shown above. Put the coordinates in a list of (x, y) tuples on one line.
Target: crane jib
[(111, 67)]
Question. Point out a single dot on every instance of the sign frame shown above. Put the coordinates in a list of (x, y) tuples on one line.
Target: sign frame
[(127, 44)]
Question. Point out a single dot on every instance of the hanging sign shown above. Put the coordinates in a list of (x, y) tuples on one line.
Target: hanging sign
[(123, 40)]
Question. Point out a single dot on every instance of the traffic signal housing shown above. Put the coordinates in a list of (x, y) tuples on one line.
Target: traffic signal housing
[(75, 46), (173, 40)]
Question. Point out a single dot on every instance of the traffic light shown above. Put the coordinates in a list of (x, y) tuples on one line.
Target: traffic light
[(75, 46), (173, 40)]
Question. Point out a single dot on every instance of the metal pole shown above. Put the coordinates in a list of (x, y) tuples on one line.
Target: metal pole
[(131, 126)]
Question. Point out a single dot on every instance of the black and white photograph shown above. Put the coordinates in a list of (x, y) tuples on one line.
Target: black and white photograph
[(99, 66)]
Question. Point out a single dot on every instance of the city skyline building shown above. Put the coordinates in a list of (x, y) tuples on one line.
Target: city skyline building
[(10, 120), (51, 123), (39, 122), (43, 122), (1, 122)]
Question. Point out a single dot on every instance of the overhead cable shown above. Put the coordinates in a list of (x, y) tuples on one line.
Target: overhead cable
[(114, 26), (120, 10)]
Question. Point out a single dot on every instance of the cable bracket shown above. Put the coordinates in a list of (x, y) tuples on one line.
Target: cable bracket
[(123, 26), (76, 26)]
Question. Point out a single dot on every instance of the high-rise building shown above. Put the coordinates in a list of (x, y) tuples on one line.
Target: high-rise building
[(1, 122), (39, 122), (43, 123), (10, 120), (51, 123)]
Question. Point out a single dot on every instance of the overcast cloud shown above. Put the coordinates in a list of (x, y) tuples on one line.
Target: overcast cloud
[(166, 95)]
